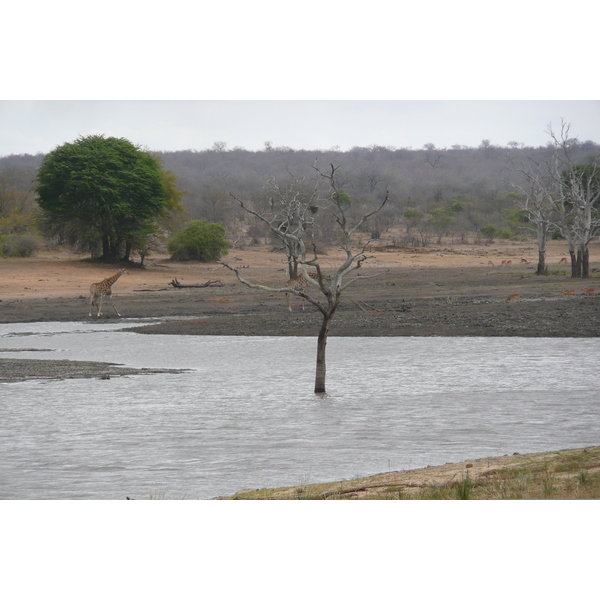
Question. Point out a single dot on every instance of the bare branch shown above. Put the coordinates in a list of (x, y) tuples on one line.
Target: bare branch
[(362, 277), (265, 288)]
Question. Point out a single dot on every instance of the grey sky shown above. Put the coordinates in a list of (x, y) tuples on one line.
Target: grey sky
[(39, 126)]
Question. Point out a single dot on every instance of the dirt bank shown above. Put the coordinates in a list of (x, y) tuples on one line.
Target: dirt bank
[(557, 474), (435, 291)]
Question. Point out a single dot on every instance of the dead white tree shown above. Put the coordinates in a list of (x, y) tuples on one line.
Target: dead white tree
[(293, 206), (330, 287), (537, 203), (576, 197)]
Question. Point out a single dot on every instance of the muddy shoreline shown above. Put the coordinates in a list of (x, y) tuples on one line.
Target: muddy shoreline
[(13, 370), (190, 314), (404, 301)]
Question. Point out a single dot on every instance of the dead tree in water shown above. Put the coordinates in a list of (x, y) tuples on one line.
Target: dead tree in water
[(330, 287)]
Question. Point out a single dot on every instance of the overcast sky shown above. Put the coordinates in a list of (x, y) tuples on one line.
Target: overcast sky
[(326, 75), (39, 126)]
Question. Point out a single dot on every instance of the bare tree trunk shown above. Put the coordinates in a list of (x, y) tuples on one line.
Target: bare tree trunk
[(321, 371), (127, 255), (292, 267), (542, 269), (585, 264), (575, 265), (542, 239)]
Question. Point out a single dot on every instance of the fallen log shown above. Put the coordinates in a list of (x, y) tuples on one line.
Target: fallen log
[(216, 283)]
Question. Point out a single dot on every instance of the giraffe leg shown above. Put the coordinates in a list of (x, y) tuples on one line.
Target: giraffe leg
[(289, 302), (91, 303), (100, 305), (113, 305)]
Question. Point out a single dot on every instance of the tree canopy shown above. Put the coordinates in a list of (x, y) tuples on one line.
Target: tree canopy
[(104, 193)]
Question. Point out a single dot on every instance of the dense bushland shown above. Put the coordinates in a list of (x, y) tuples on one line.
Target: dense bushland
[(460, 193)]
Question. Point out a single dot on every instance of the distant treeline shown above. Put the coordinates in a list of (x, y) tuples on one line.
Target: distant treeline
[(419, 181)]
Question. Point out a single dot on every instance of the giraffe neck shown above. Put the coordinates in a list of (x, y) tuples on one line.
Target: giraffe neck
[(111, 280)]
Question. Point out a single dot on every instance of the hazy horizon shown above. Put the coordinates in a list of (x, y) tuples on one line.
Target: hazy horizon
[(39, 126)]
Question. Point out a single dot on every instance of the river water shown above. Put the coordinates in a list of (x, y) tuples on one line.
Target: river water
[(244, 416)]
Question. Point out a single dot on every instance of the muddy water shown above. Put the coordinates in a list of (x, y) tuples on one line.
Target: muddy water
[(245, 415)]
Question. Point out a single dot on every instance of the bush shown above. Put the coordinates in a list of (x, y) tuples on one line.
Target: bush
[(18, 245), (17, 223), (199, 241), (490, 232)]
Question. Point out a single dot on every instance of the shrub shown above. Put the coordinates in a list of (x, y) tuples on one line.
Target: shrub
[(17, 223), (490, 232), (18, 245), (200, 240)]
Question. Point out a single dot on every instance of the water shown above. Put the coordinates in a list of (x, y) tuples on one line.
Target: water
[(245, 415)]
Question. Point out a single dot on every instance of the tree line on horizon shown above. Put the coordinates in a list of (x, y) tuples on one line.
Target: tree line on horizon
[(468, 194)]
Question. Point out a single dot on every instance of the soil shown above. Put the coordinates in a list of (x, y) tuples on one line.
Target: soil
[(435, 291)]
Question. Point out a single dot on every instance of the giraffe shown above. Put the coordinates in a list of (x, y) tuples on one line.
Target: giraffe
[(300, 284), (315, 276), (102, 289), (296, 284)]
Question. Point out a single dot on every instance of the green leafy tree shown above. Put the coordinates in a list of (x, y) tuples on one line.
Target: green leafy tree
[(441, 222), (412, 218), (199, 241), (106, 193), (490, 232), (152, 235)]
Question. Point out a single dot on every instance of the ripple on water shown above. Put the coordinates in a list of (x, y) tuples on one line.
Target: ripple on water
[(245, 415)]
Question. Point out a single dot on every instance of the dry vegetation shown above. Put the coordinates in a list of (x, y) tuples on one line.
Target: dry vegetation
[(566, 474)]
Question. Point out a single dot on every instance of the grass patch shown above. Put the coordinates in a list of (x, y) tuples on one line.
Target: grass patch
[(464, 488), (568, 474)]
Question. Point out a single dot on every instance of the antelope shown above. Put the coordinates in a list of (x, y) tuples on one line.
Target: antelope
[(590, 292), (503, 264), (568, 292), (524, 260), (562, 261), (490, 263), (516, 297), (508, 263)]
